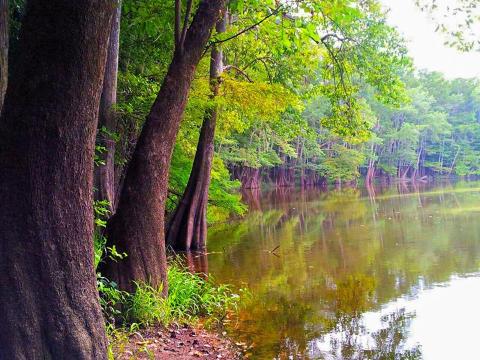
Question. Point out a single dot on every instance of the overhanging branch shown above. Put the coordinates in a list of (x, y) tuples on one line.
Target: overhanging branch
[(274, 12), (239, 71)]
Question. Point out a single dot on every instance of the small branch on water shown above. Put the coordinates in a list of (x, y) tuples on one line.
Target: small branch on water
[(273, 251), (207, 253)]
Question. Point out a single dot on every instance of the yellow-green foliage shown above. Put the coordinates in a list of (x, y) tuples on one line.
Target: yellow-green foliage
[(260, 101), (343, 163)]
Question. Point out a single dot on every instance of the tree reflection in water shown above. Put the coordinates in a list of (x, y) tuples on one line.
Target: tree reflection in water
[(351, 340), (340, 255)]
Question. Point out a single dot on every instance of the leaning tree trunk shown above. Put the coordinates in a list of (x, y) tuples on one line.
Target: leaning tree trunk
[(3, 49), (188, 228), (49, 306), (137, 227), (107, 124)]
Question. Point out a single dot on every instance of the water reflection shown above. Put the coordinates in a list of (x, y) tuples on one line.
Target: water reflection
[(352, 340), (196, 262), (341, 256)]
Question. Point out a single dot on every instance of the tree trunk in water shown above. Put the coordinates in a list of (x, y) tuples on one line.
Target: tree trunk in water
[(417, 167), (250, 178), (49, 306), (188, 228), (370, 172), (137, 227), (107, 124), (291, 175), (3, 49), (306, 178), (403, 176), (281, 179), (283, 174), (251, 197)]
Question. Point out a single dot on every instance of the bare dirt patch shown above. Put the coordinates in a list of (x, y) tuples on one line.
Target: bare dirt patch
[(178, 343)]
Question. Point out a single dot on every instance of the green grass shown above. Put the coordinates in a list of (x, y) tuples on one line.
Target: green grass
[(190, 297)]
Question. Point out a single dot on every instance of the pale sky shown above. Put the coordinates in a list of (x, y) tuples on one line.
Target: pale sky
[(426, 46)]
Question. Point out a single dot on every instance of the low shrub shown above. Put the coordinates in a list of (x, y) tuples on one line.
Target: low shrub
[(190, 297)]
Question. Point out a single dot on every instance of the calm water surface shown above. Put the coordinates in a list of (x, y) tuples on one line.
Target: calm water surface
[(390, 273)]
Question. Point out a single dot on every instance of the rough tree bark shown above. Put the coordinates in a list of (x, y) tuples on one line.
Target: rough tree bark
[(188, 227), (105, 173), (49, 306), (3, 49), (137, 227)]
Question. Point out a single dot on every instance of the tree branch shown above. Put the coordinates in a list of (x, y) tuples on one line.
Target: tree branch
[(274, 12), (185, 22), (178, 15), (333, 35), (239, 71), (267, 69)]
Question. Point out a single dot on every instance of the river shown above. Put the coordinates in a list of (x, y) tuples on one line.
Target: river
[(355, 273)]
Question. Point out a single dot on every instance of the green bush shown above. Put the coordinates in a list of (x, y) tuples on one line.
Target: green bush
[(190, 297)]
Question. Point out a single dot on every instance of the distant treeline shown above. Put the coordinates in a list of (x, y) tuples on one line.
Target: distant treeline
[(433, 132)]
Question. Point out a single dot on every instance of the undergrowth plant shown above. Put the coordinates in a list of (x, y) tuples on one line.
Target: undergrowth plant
[(190, 297)]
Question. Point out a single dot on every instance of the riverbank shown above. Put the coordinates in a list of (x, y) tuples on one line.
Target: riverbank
[(174, 342), (145, 324)]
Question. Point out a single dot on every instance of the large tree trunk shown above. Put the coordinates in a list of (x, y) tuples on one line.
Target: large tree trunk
[(137, 227), (3, 49), (188, 228), (107, 124), (49, 306)]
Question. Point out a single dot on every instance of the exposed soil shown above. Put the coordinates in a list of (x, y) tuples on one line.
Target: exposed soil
[(179, 343)]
